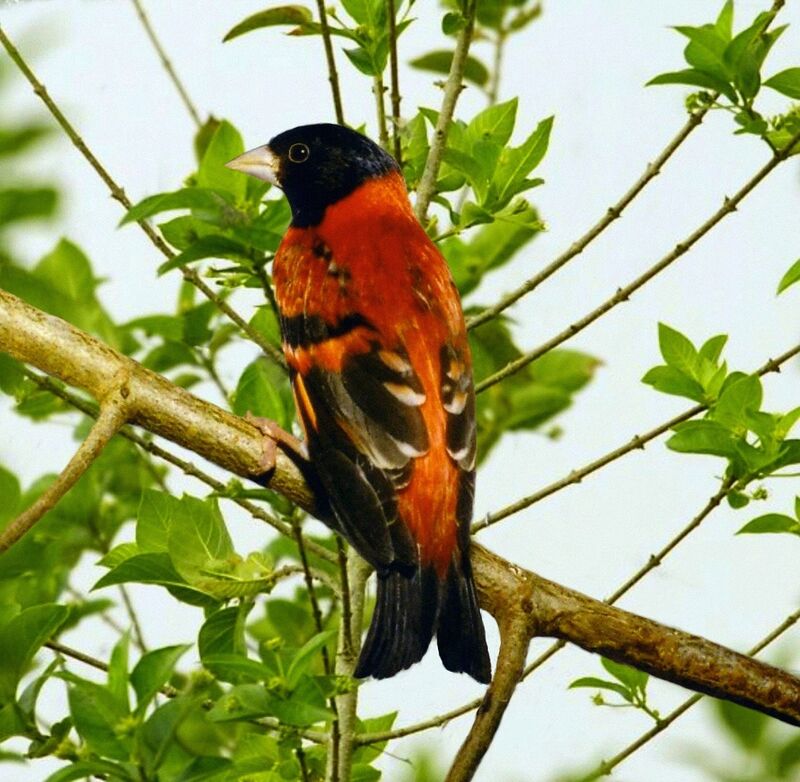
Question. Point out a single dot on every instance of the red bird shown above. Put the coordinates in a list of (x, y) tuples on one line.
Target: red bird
[(380, 365)]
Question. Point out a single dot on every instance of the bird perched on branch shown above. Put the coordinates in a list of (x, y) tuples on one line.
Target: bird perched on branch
[(374, 337)]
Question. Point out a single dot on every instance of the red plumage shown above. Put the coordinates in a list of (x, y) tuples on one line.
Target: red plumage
[(377, 348)]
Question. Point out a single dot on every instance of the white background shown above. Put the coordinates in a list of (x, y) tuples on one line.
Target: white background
[(585, 62)]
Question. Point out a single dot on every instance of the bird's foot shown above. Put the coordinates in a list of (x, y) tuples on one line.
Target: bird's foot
[(275, 436)]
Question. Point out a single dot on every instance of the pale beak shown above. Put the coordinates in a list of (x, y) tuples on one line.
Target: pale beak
[(260, 162)]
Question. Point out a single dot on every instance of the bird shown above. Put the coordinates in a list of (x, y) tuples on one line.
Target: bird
[(375, 340)]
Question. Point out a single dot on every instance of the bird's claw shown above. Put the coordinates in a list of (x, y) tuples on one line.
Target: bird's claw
[(274, 436)]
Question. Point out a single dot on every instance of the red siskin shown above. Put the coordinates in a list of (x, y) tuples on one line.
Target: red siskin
[(380, 366)]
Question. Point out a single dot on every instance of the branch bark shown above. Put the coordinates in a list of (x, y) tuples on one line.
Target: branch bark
[(521, 600)]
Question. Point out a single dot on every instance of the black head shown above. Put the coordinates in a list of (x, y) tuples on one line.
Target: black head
[(316, 166)]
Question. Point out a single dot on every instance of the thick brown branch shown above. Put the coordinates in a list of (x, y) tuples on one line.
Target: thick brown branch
[(624, 293), (79, 359), (665, 652), (113, 415)]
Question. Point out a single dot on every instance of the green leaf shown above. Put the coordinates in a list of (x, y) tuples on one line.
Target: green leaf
[(601, 684), (155, 569), (86, 769), (222, 633), (197, 536), (630, 677), (745, 725), (703, 437), (12, 380), (156, 511), (304, 657), (20, 639), (26, 203), (792, 276), (736, 401), (495, 123), (786, 82), (153, 671), (695, 78), (670, 380), (236, 667), (724, 24), (516, 163), (212, 246), (677, 350), (225, 144), (187, 198), (97, 716), (263, 390), (771, 522), (9, 496), (706, 50), (284, 14), (118, 672), (712, 348), (439, 62)]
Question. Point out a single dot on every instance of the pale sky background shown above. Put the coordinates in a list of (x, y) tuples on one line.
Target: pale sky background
[(585, 62)]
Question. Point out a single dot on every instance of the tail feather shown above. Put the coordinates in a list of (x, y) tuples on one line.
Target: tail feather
[(403, 623), (408, 610), (460, 635)]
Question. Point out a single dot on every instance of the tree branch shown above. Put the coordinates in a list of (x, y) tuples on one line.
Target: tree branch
[(637, 442), (548, 608), (113, 415), (611, 214), (623, 294), (452, 89), (607, 766), (165, 61), (333, 76), (395, 77)]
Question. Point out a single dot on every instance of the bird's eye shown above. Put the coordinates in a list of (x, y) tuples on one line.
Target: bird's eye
[(299, 153)]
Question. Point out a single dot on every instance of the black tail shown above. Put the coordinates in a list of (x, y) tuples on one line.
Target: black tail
[(460, 635), (407, 611)]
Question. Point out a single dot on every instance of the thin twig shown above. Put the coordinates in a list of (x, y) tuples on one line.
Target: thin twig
[(118, 194), (452, 89), (165, 61), (378, 90), (185, 466), (340, 753), (113, 414), (637, 442), (333, 76), (610, 215), (607, 766), (494, 85), (395, 78), (623, 294)]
